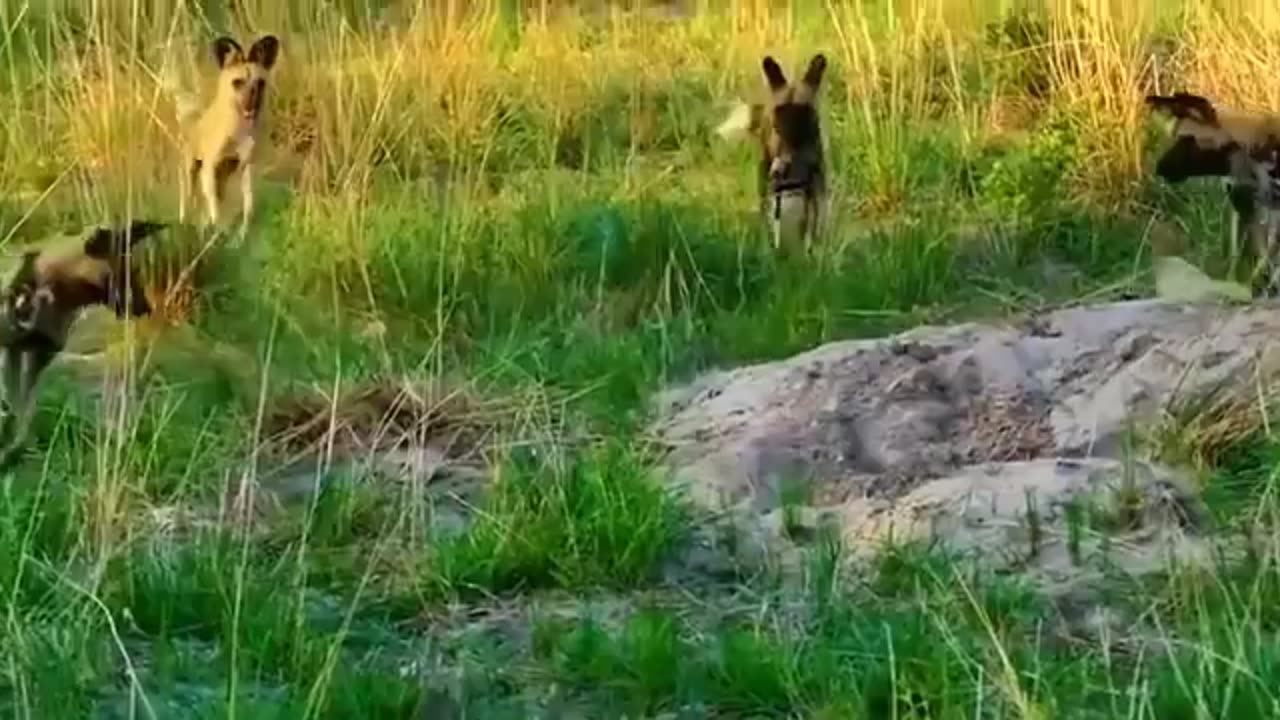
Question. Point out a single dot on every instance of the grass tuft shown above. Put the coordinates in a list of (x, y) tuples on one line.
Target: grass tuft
[(591, 520)]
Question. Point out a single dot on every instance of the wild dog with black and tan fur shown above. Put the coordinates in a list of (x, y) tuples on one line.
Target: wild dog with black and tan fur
[(42, 299), (222, 140), (1243, 148), (792, 164)]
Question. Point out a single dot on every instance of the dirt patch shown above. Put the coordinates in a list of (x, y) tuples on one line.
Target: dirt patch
[(382, 416), (432, 441)]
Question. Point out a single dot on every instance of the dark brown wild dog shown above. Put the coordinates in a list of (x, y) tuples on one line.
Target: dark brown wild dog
[(43, 296), (1243, 148), (792, 165), (222, 140)]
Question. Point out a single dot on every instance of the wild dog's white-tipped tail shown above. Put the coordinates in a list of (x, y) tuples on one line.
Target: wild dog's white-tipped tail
[(738, 124), (185, 102)]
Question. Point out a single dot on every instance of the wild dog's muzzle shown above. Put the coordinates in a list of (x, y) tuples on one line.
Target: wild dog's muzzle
[(253, 97), (790, 175)]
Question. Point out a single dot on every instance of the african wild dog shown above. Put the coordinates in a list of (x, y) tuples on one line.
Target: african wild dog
[(792, 166), (1243, 148), (222, 139), (42, 298)]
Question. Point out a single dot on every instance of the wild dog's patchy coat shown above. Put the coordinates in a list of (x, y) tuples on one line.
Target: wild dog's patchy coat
[(792, 164), (42, 299), (1243, 148), (222, 140)]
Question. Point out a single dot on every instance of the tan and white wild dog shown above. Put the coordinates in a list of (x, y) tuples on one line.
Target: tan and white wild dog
[(1243, 148), (792, 172), (41, 298), (222, 139)]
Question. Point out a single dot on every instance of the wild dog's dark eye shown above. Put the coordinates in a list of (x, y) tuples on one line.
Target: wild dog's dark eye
[(237, 83)]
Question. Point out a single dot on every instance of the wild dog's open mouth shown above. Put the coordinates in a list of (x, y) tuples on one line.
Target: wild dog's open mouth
[(252, 101)]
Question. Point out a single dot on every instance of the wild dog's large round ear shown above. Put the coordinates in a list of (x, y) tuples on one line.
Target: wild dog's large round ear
[(813, 75), (226, 50), (99, 243), (264, 51), (773, 73)]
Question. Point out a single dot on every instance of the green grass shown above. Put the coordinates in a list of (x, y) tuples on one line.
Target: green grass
[(537, 214), (602, 522)]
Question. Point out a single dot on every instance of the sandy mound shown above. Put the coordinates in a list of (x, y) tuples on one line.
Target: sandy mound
[(1009, 440)]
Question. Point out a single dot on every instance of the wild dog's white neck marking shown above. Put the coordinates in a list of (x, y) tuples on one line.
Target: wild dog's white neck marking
[(245, 141), (24, 307)]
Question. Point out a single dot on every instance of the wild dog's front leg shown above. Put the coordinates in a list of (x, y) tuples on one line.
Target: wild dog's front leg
[(812, 220), (1257, 240), (10, 373), (246, 198), (188, 178), (1241, 244), (1268, 219), (211, 189), (1265, 229)]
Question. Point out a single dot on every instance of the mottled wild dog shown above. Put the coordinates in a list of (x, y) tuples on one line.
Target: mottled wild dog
[(792, 165), (222, 140), (42, 298), (1243, 148)]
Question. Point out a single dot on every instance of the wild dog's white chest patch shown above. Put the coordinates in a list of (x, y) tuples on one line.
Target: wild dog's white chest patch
[(1269, 185), (786, 213), (223, 134), (243, 142), (238, 145)]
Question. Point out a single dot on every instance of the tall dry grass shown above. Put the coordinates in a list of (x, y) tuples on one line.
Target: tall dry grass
[(437, 90)]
